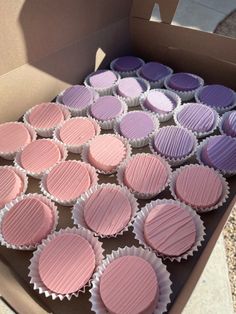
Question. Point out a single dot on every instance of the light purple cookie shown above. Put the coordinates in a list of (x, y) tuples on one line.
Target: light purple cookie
[(131, 87), (173, 142), (127, 63), (136, 125), (196, 117), (154, 71), (219, 152), (106, 107), (78, 97), (183, 82), (102, 79), (216, 96), (229, 123), (159, 102)]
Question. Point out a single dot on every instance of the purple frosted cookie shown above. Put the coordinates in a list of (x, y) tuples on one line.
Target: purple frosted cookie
[(127, 63), (154, 71), (102, 79), (77, 97), (173, 142), (158, 102), (106, 108), (229, 123), (196, 117), (216, 96), (136, 125), (219, 152), (183, 82), (131, 87)]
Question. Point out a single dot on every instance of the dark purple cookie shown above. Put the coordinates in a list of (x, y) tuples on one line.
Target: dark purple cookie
[(78, 97), (216, 96), (127, 63), (154, 71), (219, 152), (229, 123), (183, 82)]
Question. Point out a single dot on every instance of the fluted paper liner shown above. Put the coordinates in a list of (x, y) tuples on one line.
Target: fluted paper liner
[(33, 268), (222, 120), (138, 227), (76, 149), (132, 101), (218, 109), (109, 124), (12, 154), (185, 95), (198, 157), (142, 141), (175, 161), (46, 132), (78, 112), (163, 117), (78, 215), (163, 278), (85, 151), (120, 177), (158, 83), (70, 202), (103, 91), (38, 175), (8, 206), (125, 73), (197, 134), (224, 196)]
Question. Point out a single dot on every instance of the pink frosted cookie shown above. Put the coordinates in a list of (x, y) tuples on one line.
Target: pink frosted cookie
[(198, 186), (77, 131), (106, 152), (68, 180), (27, 222), (40, 155), (66, 263), (46, 116), (129, 285), (14, 136), (10, 185), (107, 211), (146, 174), (169, 229)]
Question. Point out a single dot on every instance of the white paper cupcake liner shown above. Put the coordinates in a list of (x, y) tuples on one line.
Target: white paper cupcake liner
[(138, 226), (22, 175), (34, 262), (156, 84), (70, 202), (143, 141), (109, 124), (163, 278), (175, 161), (222, 120), (46, 132), (185, 95), (8, 206), (78, 112), (76, 149), (218, 109), (78, 214), (224, 196), (12, 154), (38, 175), (103, 91), (85, 152), (132, 101), (198, 157), (197, 134), (125, 73), (163, 117), (120, 178)]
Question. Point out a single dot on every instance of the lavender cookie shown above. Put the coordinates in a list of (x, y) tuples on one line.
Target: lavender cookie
[(228, 124), (77, 97)]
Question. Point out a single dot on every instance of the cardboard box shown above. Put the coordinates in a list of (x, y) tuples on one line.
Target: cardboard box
[(48, 45)]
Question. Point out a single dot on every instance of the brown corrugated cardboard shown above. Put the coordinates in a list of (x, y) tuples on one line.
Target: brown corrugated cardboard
[(47, 45)]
